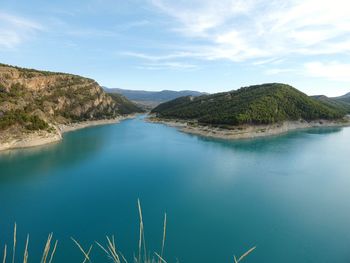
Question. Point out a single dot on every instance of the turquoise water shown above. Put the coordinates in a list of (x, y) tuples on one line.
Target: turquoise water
[(288, 195)]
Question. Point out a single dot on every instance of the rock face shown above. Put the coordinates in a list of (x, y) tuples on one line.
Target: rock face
[(32, 101), (56, 97)]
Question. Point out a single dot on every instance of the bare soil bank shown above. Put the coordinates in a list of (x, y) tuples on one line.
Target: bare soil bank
[(247, 131), (12, 139)]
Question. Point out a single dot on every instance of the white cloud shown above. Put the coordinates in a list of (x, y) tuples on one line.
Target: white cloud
[(91, 33), (168, 65), (156, 57), (14, 30), (276, 71), (335, 71), (241, 30), (198, 16)]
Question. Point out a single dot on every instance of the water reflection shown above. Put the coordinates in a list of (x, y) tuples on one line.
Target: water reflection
[(272, 143), (323, 130), (75, 148), (287, 194)]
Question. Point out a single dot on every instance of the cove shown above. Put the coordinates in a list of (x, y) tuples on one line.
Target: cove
[(288, 195)]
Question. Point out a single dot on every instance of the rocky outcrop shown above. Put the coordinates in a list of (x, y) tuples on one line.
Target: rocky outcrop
[(34, 103)]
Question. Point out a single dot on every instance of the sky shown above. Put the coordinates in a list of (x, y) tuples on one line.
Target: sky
[(205, 45)]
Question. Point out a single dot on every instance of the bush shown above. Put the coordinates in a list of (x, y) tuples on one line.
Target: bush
[(30, 122)]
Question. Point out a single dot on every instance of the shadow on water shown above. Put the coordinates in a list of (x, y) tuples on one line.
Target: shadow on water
[(271, 143), (75, 148), (320, 131)]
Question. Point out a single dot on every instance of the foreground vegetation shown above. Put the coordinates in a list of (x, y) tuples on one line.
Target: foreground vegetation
[(260, 104), (109, 247)]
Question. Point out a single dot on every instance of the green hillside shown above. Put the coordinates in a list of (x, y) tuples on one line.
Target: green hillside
[(335, 102), (125, 106), (260, 104), (345, 98)]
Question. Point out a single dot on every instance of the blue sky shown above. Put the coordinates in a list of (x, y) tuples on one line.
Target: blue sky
[(205, 45)]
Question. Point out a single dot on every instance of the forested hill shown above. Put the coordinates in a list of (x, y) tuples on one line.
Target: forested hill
[(154, 96), (345, 98), (259, 104), (32, 99), (342, 102)]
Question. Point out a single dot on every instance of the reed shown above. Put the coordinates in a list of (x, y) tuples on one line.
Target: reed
[(14, 243), (25, 256), (5, 253), (109, 248), (244, 255), (85, 253), (164, 234), (48, 248)]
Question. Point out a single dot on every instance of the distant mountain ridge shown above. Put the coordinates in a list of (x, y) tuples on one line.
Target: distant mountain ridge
[(153, 96), (342, 102), (260, 104), (344, 98), (334, 101)]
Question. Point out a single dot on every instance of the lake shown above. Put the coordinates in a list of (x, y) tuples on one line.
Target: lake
[(287, 195)]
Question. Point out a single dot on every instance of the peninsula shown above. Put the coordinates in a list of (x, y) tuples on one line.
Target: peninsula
[(249, 112)]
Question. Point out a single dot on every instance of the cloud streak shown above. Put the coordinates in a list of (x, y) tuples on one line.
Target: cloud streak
[(255, 29), (173, 65), (14, 30)]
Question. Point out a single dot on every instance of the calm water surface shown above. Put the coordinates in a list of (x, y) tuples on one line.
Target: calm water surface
[(288, 195)]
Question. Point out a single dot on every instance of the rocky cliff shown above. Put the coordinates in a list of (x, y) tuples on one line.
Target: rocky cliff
[(36, 102)]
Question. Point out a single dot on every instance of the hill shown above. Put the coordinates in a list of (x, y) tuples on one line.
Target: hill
[(125, 106), (153, 98), (335, 102), (37, 102), (345, 98), (259, 104)]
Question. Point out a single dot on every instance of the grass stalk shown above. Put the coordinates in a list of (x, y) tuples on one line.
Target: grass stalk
[(142, 235), (25, 256), (5, 252), (53, 252), (160, 258), (86, 254), (244, 255), (46, 249), (110, 248), (14, 243), (164, 235)]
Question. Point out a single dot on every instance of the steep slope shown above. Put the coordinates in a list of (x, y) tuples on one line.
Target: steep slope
[(260, 104), (33, 101)]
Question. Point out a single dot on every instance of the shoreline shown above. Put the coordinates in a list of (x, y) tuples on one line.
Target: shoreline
[(39, 138), (64, 128), (247, 131)]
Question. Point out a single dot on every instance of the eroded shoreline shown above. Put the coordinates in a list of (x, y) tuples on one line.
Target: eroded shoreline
[(38, 138), (247, 131)]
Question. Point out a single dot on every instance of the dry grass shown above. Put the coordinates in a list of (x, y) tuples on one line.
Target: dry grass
[(46, 251), (109, 248), (5, 253), (244, 255), (14, 243)]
